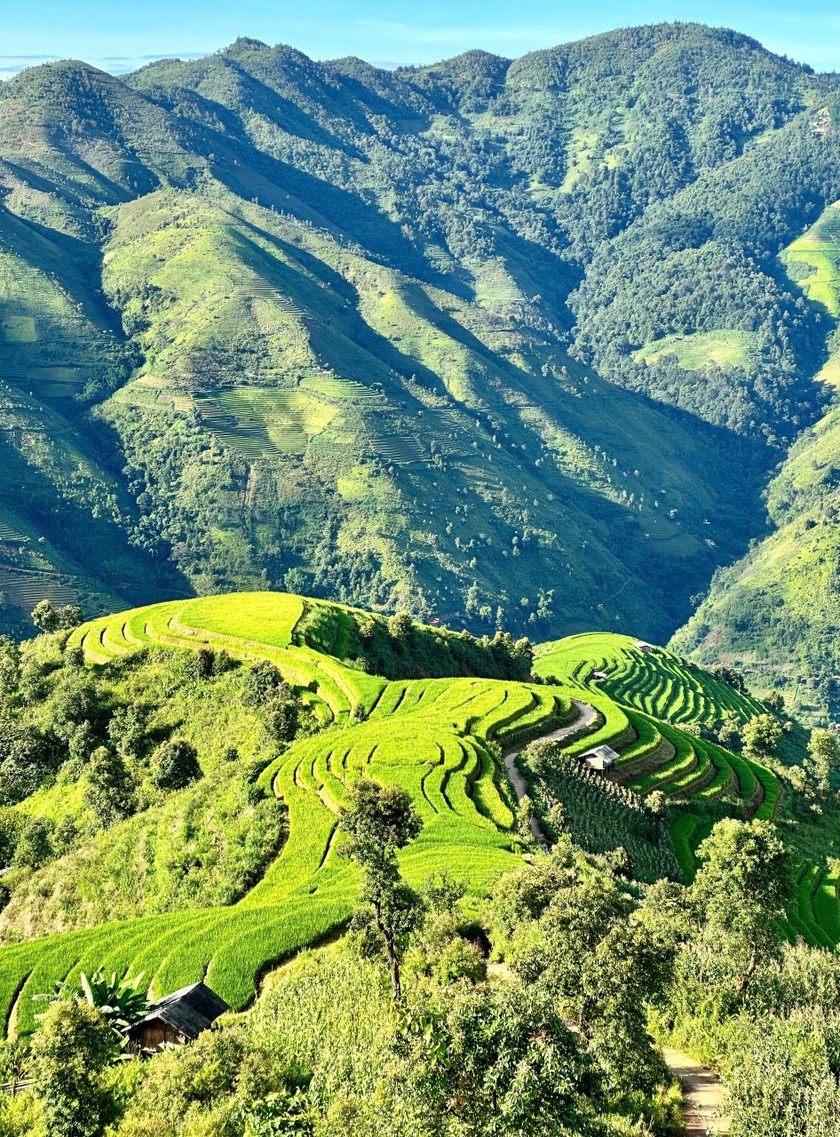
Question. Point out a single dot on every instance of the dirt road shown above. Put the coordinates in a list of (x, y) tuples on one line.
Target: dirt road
[(585, 717), (703, 1097)]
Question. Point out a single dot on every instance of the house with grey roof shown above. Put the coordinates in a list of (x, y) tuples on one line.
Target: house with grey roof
[(177, 1018)]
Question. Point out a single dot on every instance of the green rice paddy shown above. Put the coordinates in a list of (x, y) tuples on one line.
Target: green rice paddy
[(434, 737)]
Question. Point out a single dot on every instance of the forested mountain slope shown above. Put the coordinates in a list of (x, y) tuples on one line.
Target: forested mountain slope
[(776, 611), (503, 342)]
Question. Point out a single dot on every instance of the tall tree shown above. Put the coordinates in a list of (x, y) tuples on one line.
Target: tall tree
[(823, 757), (740, 891), (379, 821)]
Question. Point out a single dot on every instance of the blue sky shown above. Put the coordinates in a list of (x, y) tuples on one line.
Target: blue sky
[(120, 36)]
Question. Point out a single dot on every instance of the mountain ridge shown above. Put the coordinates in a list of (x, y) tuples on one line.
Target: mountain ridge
[(331, 292)]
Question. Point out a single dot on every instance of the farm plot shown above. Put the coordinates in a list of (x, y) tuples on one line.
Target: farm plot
[(265, 421), (659, 693), (655, 682), (432, 737)]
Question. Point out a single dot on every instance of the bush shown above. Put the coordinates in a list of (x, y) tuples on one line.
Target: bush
[(110, 791), (70, 1051), (176, 765)]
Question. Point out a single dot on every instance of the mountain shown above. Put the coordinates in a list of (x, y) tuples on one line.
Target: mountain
[(776, 612), (505, 343)]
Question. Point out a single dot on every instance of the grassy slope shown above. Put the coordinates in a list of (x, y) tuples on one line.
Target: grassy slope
[(775, 612), (427, 735), (320, 386)]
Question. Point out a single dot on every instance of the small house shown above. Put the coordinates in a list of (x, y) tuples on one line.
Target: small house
[(177, 1018), (643, 646), (599, 758), (600, 675)]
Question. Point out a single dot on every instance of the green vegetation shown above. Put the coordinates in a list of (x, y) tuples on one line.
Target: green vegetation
[(503, 345), (432, 738), (696, 352), (248, 339), (229, 780)]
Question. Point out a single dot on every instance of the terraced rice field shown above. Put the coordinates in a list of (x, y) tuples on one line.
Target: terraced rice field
[(27, 588), (817, 252), (430, 736), (657, 692), (434, 738), (656, 682), (260, 421)]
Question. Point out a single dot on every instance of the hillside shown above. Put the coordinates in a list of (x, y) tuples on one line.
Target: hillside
[(171, 671), (416, 339), (775, 612), (174, 787)]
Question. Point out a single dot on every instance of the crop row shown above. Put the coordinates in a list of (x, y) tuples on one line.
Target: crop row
[(655, 682), (433, 737)]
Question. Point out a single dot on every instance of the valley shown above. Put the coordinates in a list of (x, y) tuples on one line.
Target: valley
[(256, 309)]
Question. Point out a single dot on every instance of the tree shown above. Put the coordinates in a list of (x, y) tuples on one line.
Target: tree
[(34, 842), (823, 757), (775, 700), (263, 681), (601, 968), (9, 667), (379, 821), (26, 757), (498, 1060), (176, 765), (761, 736), (110, 788), (203, 663), (740, 891), (127, 729), (400, 628), (524, 813), (121, 1002), (70, 1051), (49, 619), (282, 714), (69, 617), (45, 617)]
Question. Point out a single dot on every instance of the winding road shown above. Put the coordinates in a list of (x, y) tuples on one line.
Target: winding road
[(585, 717)]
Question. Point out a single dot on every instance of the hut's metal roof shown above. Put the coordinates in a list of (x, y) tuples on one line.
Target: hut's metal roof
[(190, 1010), (605, 753)]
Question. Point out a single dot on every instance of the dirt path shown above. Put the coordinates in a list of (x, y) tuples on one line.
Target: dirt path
[(702, 1095), (585, 717)]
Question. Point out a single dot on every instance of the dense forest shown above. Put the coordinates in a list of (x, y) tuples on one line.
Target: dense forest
[(505, 343)]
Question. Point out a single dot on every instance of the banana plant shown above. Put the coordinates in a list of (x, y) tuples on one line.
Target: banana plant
[(121, 1002)]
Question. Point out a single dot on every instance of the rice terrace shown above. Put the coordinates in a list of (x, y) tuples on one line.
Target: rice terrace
[(441, 740)]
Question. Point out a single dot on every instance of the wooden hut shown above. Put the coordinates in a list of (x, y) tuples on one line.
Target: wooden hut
[(599, 758), (643, 646), (177, 1018)]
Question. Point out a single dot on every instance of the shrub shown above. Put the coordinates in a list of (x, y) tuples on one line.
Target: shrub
[(176, 765), (110, 792), (70, 1051)]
